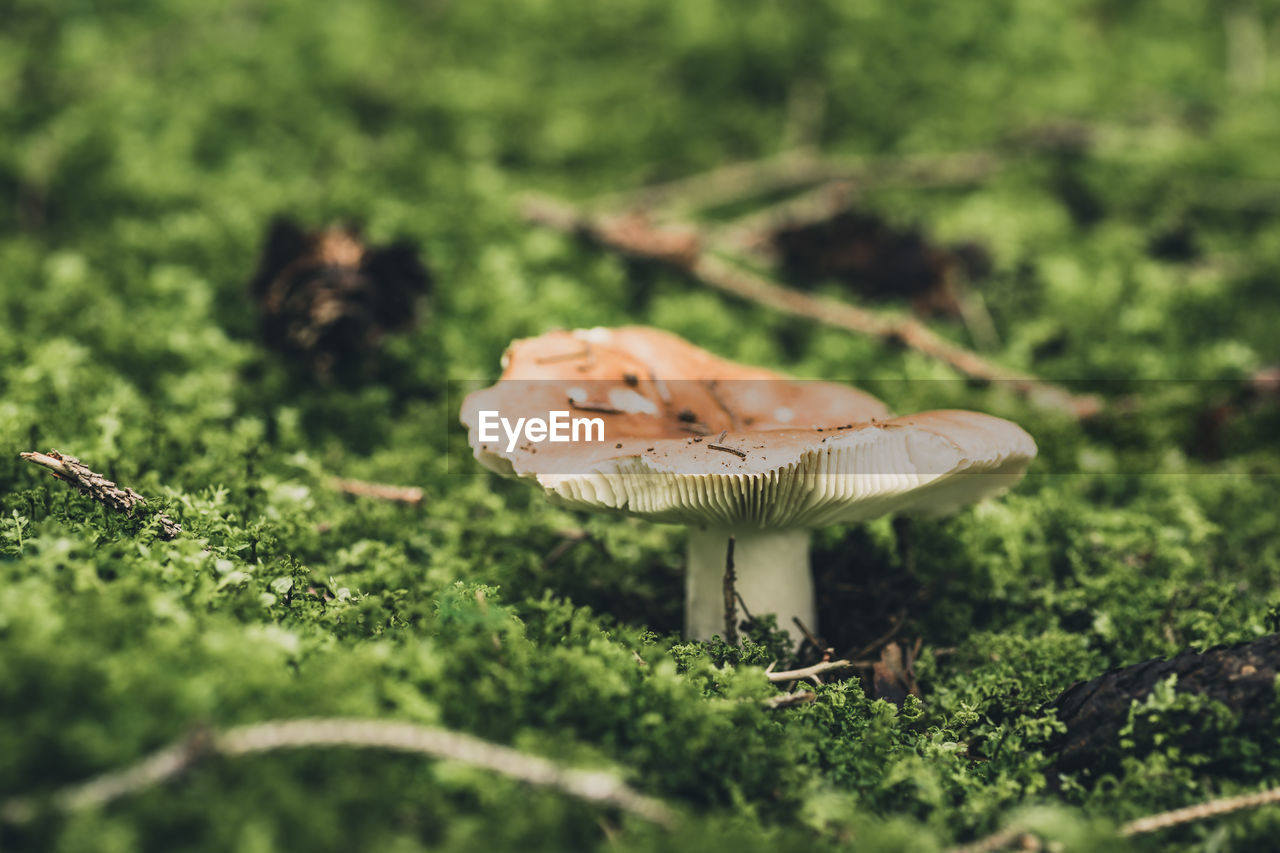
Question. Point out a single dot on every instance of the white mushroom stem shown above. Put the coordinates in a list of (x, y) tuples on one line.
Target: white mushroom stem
[(772, 575)]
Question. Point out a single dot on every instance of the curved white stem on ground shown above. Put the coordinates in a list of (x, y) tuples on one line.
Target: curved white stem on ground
[(772, 571)]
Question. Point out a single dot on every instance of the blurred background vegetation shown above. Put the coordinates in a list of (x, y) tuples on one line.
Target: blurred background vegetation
[(1133, 236)]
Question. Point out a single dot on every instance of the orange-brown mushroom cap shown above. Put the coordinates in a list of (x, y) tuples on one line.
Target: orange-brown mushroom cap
[(693, 438)]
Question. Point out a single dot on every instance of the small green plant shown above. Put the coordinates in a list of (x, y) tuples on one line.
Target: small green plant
[(1272, 618), (13, 533)]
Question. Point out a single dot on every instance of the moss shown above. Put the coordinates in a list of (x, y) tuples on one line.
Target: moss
[(147, 145)]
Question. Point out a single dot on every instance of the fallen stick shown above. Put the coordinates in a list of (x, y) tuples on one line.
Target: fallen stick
[(116, 498), (809, 672), (794, 169), (631, 236), (730, 594), (1200, 811), (999, 841), (568, 539), (381, 491), (751, 234), (1026, 840), (593, 786), (788, 700)]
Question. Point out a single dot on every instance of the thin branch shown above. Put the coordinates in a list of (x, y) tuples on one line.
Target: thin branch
[(806, 108), (731, 450), (115, 498), (788, 700), (152, 770), (1202, 811), (751, 233), (730, 594), (1152, 823), (381, 491), (568, 539), (890, 328), (737, 180), (717, 273), (999, 841), (598, 787), (808, 635), (811, 672), (895, 624), (795, 169)]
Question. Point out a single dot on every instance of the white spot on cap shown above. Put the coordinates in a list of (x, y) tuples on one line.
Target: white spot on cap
[(577, 395), (783, 415), (598, 335), (633, 402)]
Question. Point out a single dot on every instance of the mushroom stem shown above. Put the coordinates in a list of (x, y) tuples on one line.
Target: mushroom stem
[(772, 576)]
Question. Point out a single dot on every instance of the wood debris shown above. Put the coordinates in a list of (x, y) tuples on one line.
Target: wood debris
[(116, 498)]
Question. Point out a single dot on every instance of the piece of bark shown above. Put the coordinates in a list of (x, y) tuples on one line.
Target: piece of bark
[(893, 676), (116, 498), (1242, 677)]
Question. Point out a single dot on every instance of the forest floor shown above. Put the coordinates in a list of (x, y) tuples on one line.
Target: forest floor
[(1122, 239)]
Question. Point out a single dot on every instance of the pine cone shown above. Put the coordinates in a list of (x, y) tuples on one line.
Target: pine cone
[(327, 299)]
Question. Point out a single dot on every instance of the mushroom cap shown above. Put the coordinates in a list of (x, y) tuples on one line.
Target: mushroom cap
[(694, 439)]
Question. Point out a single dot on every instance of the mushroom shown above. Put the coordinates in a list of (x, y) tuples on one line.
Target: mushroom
[(730, 451)]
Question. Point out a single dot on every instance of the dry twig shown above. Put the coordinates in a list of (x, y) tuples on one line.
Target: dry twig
[(799, 168), (787, 700), (812, 639), (730, 594), (1200, 811), (381, 491), (597, 787), (717, 273), (751, 233), (568, 539), (895, 624), (999, 841), (116, 498), (1152, 823), (896, 329), (809, 672)]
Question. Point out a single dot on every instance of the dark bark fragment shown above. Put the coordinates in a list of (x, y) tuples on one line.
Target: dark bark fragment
[(116, 498), (1242, 677)]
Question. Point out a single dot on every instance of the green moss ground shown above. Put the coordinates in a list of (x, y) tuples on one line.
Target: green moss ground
[(143, 148)]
